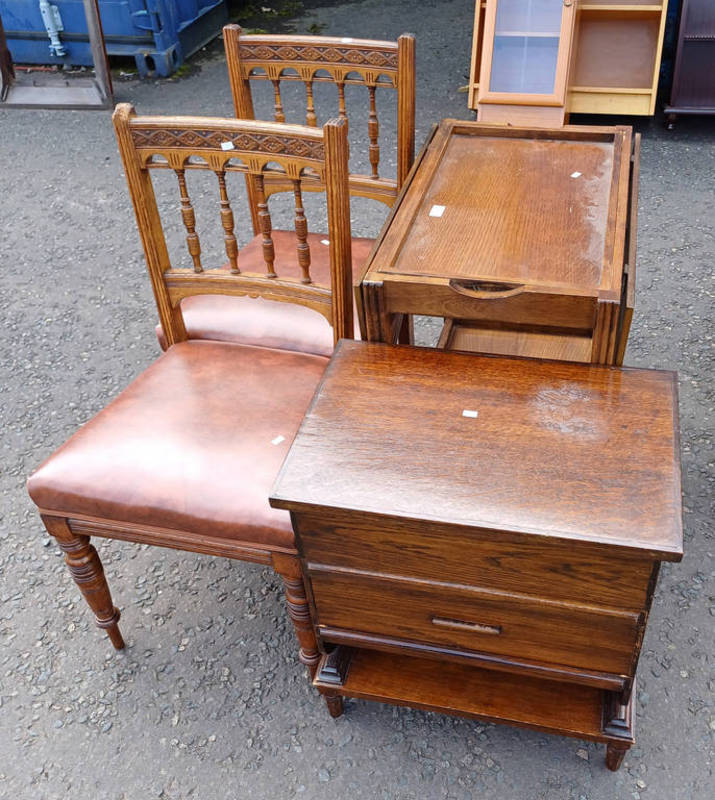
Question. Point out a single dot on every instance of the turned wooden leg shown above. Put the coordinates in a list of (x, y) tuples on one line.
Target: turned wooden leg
[(335, 704), (618, 721), (86, 569), (334, 672), (615, 754), (288, 567)]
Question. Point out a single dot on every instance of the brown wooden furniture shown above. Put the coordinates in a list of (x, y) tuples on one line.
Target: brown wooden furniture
[(515, 233), (525, 56), (481, 536), (184, 457), (693, 90), (557, 57), (312, 60), (342, 61)]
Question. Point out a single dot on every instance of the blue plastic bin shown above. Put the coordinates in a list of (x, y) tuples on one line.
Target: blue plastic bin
[(159, 34)]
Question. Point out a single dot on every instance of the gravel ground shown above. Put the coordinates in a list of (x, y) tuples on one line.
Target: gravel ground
[(208, 700)]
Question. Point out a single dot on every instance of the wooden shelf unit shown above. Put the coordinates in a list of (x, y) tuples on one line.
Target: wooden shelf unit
[(615, 57), (693, 90), (467, 691)]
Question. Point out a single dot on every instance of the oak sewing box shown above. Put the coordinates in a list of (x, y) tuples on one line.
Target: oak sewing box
[(482, 535)]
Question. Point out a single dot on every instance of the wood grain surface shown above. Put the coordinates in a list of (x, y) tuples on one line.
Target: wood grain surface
[(576, 572), (520, 205), (467, 618), (562, 450), (514, 213), (529, 344), (466, 690)]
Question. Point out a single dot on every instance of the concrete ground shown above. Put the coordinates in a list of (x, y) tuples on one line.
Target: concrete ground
[(208, 700)]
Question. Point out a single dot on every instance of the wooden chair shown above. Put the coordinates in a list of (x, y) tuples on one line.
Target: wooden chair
[(374, 65), (186, 455), (343, 62)]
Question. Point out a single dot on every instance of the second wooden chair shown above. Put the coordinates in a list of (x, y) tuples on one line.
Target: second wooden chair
[(312, 60)]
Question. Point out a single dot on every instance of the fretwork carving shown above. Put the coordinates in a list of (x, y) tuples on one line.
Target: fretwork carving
[(382, 57), (197, 139)]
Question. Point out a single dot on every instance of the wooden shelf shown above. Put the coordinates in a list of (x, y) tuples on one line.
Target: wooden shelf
[(616, 53), (594, 5), (611, 89), (456, 689), (527, 344), (529, 34)]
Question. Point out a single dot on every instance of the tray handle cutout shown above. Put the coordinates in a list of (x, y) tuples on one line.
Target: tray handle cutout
[(485, 290)]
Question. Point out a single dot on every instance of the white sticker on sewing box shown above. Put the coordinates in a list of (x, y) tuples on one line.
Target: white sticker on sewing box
[(437, 211), (227, 146), (325, 241), (278, 440), (575, 174), (469, 413)]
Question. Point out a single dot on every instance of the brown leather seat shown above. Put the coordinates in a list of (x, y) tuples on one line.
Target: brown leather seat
[(265, 323), (186, 456), (165, 453)]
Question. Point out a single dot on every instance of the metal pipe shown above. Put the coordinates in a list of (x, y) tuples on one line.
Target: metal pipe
[(53, 25)]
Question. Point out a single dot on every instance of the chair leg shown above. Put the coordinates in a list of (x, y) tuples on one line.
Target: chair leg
[(86, 569), (288, 567)]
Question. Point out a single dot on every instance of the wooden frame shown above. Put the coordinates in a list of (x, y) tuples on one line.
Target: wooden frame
[(339, 60), (695, 49), (610, 42), (464, 282), (480, 8), (225, 145)]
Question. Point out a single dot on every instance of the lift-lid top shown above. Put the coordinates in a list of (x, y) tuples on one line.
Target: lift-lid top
[(587, 454)]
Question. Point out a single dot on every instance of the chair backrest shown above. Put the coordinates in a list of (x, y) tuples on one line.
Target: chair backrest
[(302, 155), (342, 61)]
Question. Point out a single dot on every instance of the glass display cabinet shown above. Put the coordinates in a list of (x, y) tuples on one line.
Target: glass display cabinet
[(525, 59), (536, 61)]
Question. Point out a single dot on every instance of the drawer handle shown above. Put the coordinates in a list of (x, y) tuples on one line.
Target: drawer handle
[(485, 290), (475, 627)]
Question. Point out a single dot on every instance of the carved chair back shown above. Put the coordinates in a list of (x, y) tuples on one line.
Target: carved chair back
[(298, 154), (342, 61)]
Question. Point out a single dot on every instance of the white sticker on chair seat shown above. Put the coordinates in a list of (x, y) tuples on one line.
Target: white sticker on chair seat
[(575, 174), (227, 146), (469, 413), (437, 211), (278, 440)]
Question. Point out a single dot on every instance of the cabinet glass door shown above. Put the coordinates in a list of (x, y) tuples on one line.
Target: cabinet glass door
[(527, 47)]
